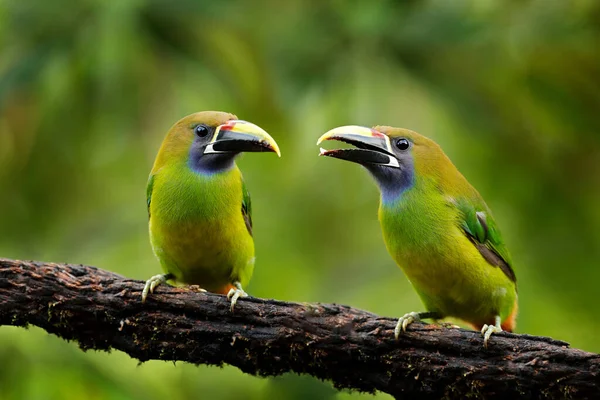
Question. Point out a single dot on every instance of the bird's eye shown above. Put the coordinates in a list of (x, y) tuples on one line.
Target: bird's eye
[(201, 130), (402, 144)]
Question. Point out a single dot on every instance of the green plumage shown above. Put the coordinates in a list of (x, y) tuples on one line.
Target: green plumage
[(427, 233), (198, 227), (444, 237), (199, 209), (437, 228)]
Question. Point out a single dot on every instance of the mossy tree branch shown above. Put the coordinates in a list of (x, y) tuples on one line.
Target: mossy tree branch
[(352, 348)]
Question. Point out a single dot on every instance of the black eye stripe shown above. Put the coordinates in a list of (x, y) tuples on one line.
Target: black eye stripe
[(402, 144), (201, 130)]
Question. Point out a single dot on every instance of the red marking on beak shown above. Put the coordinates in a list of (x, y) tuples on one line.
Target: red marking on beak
[(228, 125)]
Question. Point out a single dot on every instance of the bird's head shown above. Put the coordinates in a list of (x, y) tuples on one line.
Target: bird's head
[(210, 140), (394, 156)]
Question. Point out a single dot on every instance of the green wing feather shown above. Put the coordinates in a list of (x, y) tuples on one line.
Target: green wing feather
[(246, 207), (479, 225), (149, 187)]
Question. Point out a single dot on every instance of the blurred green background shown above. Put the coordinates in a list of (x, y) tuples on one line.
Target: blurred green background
[(511, 90)]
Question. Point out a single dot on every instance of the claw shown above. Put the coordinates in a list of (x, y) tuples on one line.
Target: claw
[(235, 293), (488, 330), (404, 321), (151, 284)]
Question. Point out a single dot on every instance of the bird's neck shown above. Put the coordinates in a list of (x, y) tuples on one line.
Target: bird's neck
[(420, 215), (210, 164), (393, 182)]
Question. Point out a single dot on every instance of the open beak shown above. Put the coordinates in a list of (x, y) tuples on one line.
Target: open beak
[(372, 147), (237, 136)]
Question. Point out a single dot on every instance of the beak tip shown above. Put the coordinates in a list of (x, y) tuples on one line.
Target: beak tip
[(275, 149), (324, 137)]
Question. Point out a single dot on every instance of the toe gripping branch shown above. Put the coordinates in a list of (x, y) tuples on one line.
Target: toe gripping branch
[(488, 330), (153, 282), (411, 317), (235, 293)]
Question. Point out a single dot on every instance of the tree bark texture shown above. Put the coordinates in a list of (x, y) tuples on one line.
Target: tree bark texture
[(352, 348)]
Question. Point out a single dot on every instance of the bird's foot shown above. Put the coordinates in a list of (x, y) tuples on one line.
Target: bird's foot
[(235, 293), (488, 330), (152, 283), (404, 321), (411, 317)]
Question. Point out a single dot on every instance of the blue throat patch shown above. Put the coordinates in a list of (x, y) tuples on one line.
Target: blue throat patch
[(209, 164), (393, 182)]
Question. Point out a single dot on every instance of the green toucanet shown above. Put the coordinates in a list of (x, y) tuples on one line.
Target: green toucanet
[(198, 206), (437, 228)]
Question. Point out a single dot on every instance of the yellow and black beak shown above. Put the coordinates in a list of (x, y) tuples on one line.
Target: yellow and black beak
[(372, 146), (237, 136)]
